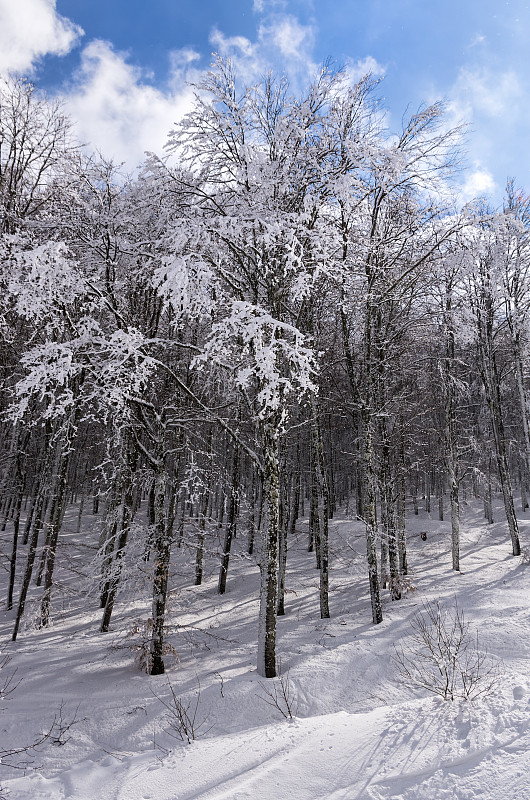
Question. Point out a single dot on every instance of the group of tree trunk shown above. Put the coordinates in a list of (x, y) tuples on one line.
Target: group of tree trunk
[(286, 314)]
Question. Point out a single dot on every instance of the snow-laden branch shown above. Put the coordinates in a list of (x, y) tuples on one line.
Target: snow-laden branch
[(264, 352)]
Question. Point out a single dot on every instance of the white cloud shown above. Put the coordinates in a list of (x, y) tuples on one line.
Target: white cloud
[(486, 92), (479, 183), (293, 40), (119, 114), (182, 69), (181, 59), (358, 69), (262, 6), (493, 103), (117, 111), (30, 29), (230, 45), (115, 106), (478, 39), (282, 44)]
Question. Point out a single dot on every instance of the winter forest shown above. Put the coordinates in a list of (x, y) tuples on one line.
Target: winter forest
[(283, 322)]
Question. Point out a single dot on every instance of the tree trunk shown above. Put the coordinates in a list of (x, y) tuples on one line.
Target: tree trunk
[(269, 553), (314, 521), (230, 530), (370, 518), (126, 513), (123, 517), (162, 555), (450, 442), (36, 526), (256, 512), (388, 517), (13, 559), (202, 507), (484, 314), (401, 505), (494, 402), (323, 507), (55, 525), (282, 549)]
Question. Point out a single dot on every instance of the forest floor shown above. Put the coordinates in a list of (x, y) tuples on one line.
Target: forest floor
[(358, 732)]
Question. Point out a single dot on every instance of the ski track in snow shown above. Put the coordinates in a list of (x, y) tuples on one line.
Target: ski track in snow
[(357, 734)]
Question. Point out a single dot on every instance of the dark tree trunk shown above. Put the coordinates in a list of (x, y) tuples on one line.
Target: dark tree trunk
[(162, 556), (322, 492), (370, 519), (269, 553), (201, 535), (55, 526), (231, 523)]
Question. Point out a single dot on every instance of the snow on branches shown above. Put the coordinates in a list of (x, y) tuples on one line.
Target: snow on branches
[(264, 353), (42, 280), (113, 370)]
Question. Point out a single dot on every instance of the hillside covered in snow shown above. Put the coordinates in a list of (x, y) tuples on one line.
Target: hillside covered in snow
[(344, 725)]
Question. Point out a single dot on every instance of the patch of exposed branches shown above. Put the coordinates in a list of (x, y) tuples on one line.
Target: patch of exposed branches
[(280, 694), (58, 733), (182, 715), (138, 640), (444, 658)]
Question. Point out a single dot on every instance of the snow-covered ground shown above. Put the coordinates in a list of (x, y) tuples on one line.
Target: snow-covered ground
[(357, 732)]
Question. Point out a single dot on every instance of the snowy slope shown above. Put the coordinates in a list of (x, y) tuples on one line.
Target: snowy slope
[(357, 733)]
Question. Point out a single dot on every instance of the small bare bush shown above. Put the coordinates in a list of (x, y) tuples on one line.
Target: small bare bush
[(444, 657), (138, 639), (406, 585), (8, 683), (58, 733), (183, 715), (280, 694)]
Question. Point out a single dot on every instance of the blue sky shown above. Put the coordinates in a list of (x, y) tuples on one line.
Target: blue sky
[(122, 66)]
